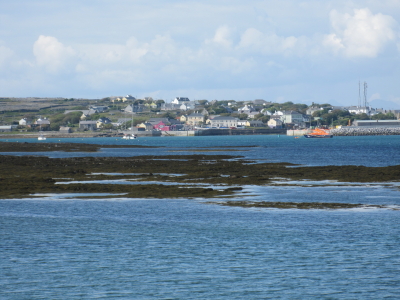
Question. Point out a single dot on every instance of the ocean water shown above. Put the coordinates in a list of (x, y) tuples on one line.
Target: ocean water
[(367, 150), (69, 247)]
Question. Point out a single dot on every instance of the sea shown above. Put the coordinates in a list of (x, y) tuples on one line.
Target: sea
[(72, 246)]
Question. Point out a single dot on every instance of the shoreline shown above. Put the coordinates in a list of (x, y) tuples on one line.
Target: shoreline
[(344, 131)]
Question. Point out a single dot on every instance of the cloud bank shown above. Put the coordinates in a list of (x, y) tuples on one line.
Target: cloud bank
[(226, 57)]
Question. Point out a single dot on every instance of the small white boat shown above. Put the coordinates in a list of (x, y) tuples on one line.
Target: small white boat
[(41, 137), (129, 137)]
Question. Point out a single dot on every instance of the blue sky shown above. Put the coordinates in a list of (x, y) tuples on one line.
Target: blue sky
[(299, 51)]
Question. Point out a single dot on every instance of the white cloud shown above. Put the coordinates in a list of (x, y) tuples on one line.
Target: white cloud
[(361, 34), (253, 40), (223, 36), (51, 54)]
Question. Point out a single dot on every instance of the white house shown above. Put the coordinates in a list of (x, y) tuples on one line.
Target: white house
[(24, 122), (247, 109), (220, 122), (361, 110), (180, 100)]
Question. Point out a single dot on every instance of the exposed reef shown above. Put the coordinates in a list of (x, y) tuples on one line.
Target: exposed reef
[(295, 205), (67, 147), (168, 176)]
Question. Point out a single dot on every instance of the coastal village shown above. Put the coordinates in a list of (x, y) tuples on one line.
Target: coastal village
[(116, 116)]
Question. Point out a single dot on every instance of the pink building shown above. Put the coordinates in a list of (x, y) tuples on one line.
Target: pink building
[(161, 126)]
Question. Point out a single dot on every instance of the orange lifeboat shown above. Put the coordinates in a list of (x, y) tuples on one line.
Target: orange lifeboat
[(319, 133)]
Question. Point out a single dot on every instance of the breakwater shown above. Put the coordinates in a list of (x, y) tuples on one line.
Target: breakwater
[(254, 131), (360, 131)]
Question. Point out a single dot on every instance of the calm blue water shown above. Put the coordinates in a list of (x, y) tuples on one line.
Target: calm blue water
[(368, 151), (66, 247)]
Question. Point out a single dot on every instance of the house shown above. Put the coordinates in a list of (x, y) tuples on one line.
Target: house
[(65, 129), (186, 106), (161, 126), (121, 121), (154, 121), (278, 113), (247, 109), (223, 122), (254, 124), (241, 123), (183, 118), (6, 128), (87, 113), (43, 122), (313, 109), (293, 117), (88, 125), (151, 105), (253, 114), (99, 108), (361, 110), (24, 122), (103, 121), (195, 119), (275, 123), (169, 106), (136, 108), (180, 100), (146, 126), (204, 112)]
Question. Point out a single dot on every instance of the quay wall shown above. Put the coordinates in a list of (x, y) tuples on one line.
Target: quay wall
[(357, 131), (178, 133), (240, 131)]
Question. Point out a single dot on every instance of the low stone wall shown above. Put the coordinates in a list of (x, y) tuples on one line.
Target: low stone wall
[(357, 131), (178, 133), (240, 131)]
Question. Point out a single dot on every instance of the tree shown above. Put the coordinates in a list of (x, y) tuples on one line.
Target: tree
[(219, 110), (203, 102), (169, 115), (258, 116)]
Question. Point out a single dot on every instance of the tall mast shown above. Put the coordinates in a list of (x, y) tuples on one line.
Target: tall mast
[(365, 94)]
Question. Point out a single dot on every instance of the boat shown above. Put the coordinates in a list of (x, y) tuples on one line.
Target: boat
[(41, 137), (319, 133), (129, 137)]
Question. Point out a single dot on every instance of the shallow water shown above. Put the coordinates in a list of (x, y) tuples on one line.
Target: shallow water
[(359, 150), (70, 246), (180, 249)]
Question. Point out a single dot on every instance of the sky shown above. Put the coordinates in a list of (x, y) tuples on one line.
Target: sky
[(288, 50)]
